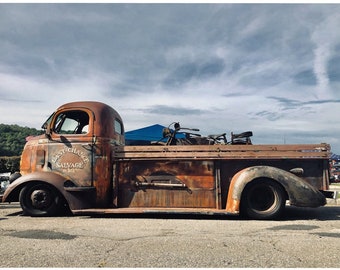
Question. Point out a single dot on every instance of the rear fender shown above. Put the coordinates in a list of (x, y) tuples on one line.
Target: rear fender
[(75, 200), (299, 192)]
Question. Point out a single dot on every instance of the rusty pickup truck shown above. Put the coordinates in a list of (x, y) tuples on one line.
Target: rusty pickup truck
[(82, 164)]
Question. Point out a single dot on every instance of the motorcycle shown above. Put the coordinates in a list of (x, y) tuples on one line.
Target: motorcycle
[(183, 136)]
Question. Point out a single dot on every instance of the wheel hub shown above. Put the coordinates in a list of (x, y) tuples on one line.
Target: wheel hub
[(262, 198), (40, 198)]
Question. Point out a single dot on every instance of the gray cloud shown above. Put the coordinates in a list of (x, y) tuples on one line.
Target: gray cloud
[(333, 69), (194, 71), (306, 77), (175, 111), (271, 116), (293, 104)]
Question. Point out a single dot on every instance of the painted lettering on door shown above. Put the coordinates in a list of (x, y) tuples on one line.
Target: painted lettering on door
[(70, 159)]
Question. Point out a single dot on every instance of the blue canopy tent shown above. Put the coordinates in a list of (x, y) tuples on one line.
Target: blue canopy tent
[(144, 136)]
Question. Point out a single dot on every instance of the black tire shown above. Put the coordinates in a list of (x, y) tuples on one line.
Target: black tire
[(14, 177), (40, 200), (263, 199)]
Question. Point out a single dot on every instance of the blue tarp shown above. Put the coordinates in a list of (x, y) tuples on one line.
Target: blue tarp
[(335, 157), (144, 136)]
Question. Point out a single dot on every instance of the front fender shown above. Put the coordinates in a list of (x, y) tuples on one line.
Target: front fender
[(75, 200), (12, 192), (300, 193)]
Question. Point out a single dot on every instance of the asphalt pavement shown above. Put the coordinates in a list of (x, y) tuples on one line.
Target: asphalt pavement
[(303, 238)]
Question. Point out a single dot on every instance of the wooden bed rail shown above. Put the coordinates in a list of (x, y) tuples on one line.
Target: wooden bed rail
[(304, 151)]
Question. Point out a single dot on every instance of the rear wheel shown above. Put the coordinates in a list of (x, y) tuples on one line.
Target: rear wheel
[(40, 199), (263, 199)]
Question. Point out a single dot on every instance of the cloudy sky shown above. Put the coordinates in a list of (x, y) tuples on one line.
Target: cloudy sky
[(273, 69)]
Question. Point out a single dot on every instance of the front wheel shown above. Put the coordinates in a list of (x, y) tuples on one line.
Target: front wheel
[(263, 199), (39, 199)]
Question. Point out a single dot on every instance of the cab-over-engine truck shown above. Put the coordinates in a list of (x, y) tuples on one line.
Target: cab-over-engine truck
[(82, 162)]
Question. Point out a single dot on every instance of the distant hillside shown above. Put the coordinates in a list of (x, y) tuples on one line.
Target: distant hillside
[(13, 139)]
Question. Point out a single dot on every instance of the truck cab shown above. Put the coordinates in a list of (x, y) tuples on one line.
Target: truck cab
[(71, 161)]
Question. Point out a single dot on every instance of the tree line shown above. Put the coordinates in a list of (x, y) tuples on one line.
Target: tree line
[(13, 139), (12, 142)]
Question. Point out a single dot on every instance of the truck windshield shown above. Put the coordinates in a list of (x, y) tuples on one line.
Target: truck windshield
[(47, 122)]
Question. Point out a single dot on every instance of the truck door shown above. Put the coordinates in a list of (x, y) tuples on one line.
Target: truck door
[(70, 148), (169, 184)]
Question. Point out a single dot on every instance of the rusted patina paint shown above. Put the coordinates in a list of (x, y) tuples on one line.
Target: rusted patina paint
[(300, 193), (167, 184)]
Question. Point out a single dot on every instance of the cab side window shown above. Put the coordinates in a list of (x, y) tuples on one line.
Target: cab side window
[(71, 122), (118, 127)]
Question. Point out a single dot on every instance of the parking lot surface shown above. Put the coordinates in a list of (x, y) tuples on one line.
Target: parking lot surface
[(302, 238)]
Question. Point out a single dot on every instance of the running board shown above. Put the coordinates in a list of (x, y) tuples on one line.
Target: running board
[(136, 210)]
